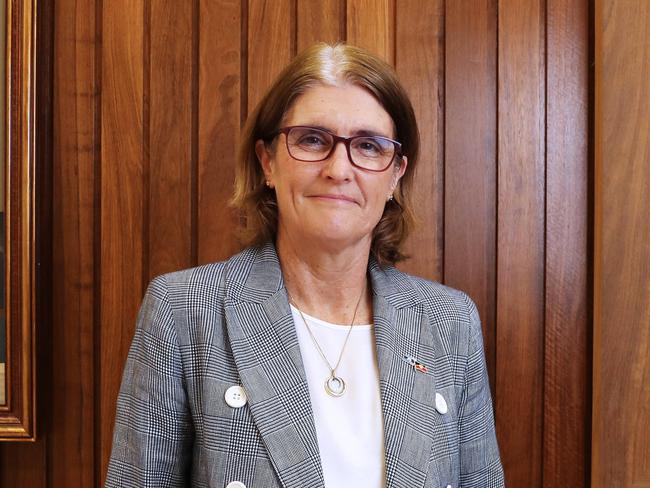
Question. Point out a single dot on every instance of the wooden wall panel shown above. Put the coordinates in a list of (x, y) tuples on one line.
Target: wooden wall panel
[(75, 159), (471, 158), (420, 65), (370, 25), (271, 44), (566, 415), (621, 350), (122, 197), (520, 240), (222, 101), (324, 22), (24, 464), (169, 108)]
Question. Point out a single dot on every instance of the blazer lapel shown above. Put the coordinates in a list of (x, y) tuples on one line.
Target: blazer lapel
[(411, 421), (267, 354)]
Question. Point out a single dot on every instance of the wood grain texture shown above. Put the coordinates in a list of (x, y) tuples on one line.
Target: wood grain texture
[(76, 150), (322, 21), (121, 200), (621, 351), (169, 137), (23, 464), (566, 391), (219, 117), (520, 240), (270, 44), (420, 66), (370, 25), (470, 159)]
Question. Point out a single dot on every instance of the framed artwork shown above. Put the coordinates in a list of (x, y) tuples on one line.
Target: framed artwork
[(17, 211)]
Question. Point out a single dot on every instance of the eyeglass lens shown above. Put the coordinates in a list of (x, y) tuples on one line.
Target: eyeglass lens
[(310, 144)]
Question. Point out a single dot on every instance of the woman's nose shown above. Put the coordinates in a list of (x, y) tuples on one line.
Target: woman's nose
[(338, 165)]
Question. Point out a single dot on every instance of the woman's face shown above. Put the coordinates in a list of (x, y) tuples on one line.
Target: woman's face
[(331, 203)]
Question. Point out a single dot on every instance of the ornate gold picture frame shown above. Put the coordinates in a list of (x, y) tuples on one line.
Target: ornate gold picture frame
[(17, 344)]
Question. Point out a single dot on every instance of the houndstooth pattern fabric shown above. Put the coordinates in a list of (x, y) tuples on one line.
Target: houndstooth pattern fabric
[(203, 330)]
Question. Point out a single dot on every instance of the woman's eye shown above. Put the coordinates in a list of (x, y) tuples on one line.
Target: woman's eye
[(369, 147), (312, 140)]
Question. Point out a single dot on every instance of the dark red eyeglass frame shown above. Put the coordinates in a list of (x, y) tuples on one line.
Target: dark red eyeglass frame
[(336, 139)]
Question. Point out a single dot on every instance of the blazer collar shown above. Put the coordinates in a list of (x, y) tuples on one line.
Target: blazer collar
[(255, 275), (267, 354)]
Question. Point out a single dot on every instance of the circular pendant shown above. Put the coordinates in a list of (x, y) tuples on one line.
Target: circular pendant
[(335, 386)]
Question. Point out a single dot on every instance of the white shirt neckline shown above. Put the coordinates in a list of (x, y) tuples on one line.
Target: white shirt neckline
[(349, 428)]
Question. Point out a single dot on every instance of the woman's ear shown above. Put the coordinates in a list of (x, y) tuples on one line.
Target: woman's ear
[(397, 175), (265, 159)]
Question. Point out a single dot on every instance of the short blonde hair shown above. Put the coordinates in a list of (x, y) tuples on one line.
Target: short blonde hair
[(324, 64)]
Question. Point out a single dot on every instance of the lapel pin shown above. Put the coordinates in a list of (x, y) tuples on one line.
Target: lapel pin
[(417, 365)]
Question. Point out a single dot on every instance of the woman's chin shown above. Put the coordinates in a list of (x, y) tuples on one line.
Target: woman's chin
[(334, 237)]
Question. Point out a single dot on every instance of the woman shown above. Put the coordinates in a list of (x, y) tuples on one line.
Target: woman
[(307, 360)]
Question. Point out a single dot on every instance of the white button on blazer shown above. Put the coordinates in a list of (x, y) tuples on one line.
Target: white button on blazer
[(235, 484)]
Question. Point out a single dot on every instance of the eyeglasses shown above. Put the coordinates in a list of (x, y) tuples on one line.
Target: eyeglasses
[(309, 144)]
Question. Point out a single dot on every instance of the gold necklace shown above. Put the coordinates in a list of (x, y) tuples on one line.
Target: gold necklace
[(334, 385)]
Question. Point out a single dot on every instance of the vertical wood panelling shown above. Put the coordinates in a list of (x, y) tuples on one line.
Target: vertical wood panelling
[(122, 249), (23, 464), (323, 22), (220, 101), (420, 65), (370, 25), (169, 140), (470, 158), (566, 414), (520, 241), (219, 117), (621, 368), (270, 44), (76, 150)]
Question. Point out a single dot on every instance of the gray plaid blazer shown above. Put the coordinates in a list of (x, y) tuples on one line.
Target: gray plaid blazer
[(203, 330)]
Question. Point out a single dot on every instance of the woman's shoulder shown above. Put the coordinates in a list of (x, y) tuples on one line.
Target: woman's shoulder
[(205, 274), (452, 314), (205, 278), (438, 296)]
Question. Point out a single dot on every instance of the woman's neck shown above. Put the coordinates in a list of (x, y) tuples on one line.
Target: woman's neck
[(327, 285)]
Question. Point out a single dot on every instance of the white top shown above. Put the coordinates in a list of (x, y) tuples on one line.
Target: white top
[(349, 428)]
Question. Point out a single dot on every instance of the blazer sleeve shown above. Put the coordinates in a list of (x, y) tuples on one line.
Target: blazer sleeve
[(480, 464), (153, 435)]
